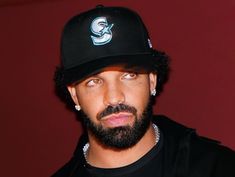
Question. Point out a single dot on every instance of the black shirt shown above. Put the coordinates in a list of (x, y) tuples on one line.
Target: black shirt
[(150, 165)]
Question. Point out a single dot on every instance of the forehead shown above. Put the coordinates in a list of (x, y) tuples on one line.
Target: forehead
[(122, 68)]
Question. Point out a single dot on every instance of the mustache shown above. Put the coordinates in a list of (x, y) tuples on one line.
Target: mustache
[(116, 109)]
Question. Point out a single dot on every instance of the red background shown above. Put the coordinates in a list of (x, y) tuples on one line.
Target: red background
[(38, 134)]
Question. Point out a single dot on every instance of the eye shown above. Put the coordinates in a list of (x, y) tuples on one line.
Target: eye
[(129, 76), (93, 82)]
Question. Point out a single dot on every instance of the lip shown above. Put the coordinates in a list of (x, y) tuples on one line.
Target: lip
[(119, 119)]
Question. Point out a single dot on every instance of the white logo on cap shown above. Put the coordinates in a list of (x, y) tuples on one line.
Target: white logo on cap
[(102, 30)]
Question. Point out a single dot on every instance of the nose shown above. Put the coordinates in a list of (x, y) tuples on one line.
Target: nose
[(114, 95)]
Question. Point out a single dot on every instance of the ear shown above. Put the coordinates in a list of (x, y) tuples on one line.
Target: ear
[(152, 81), (73, 93)]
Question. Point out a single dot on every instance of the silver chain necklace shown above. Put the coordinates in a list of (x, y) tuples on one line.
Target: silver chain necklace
[(157, 137)]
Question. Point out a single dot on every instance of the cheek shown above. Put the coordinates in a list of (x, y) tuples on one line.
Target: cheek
[(142, 88), (90, 104), (139, 96)]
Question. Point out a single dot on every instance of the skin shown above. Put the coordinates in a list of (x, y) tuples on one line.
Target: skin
[(112, 86)]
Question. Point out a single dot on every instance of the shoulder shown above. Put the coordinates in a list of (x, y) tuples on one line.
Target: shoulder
[(65, 170), (193, 154), (210, 155), (75, 164)]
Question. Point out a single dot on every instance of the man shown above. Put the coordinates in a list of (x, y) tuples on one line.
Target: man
[(111, 73)]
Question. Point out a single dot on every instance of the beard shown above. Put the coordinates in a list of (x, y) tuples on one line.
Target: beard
[(121, 137)]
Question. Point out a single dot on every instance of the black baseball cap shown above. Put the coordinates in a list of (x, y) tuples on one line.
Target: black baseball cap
[(101, 37)]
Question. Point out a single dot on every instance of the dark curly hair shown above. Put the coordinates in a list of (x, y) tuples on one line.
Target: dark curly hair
[(160, 67)]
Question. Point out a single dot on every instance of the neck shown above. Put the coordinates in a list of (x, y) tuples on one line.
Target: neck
[(117, 158)]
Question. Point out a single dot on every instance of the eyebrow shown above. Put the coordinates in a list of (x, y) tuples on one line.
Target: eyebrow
[(122, 68)]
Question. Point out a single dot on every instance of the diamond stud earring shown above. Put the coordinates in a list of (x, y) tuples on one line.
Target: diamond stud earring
[(77, 107), (153, 92)]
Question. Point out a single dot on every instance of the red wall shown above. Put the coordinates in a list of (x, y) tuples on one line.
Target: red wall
[(38, 134)]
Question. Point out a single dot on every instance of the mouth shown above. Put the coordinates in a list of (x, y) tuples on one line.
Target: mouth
[(116, 120)]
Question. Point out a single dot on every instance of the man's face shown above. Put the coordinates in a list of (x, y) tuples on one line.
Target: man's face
[(115, 104)]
